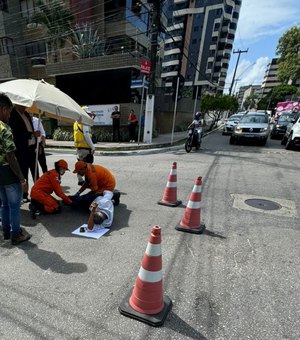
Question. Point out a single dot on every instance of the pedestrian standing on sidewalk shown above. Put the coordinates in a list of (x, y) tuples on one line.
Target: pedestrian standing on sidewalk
[(41, 142), (83, 142), (25, 140), (115, 116), (12, 180), (132, 124)]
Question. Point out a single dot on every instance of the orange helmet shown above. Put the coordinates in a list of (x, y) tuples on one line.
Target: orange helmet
[(62, 164)]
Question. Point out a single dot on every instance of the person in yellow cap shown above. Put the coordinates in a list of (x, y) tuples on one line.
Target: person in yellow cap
[(98, 179), (41, 198), (83, 143)]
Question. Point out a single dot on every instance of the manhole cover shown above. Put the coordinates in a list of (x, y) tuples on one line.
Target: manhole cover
[(263, 204)]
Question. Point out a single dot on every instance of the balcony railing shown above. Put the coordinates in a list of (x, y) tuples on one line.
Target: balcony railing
[(98, 63)]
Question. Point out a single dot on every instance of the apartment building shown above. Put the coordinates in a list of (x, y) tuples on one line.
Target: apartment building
[(270, 79), (94, 62), (199, 42)]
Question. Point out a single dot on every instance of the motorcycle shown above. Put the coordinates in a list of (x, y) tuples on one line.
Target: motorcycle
[(194, 138)]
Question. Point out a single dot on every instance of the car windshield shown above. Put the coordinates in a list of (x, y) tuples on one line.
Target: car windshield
[(233, 118), (285, 118), (256, 119)]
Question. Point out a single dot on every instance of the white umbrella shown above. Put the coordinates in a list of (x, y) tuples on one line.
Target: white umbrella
[(40, 97)]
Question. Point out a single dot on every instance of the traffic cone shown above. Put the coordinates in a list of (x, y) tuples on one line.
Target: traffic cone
[(170, 193), (145, 301), (191, 221)]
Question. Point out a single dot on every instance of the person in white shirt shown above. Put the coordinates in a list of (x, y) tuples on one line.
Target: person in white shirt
[(41, 142), (101, 212)]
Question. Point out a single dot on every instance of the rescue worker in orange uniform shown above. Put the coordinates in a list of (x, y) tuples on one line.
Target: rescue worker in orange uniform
[(98, 179), (41, 198)]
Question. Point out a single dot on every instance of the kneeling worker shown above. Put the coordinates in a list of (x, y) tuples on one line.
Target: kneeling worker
[(102, 212), (41, 198), (98, 179)]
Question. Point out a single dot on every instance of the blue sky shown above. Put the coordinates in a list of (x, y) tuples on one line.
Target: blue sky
[(261, 24)]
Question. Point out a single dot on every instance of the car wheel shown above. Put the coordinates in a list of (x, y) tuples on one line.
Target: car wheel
[(289, 143), (263, 142), (231, 140), (283, 141)]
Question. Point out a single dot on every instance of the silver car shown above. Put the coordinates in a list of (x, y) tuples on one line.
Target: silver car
[(252, 126), (231, 122)]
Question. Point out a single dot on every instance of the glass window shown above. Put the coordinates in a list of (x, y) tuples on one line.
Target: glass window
[(3, 5)]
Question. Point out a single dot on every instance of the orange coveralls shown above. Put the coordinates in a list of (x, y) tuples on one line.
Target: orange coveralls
[(99, 178), (44, 187)]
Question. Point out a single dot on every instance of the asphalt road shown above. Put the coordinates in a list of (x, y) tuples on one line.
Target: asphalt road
[(240, 280)]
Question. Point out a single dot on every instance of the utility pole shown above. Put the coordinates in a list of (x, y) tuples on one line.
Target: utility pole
[(236, 66), (149, 110), (155, 27)]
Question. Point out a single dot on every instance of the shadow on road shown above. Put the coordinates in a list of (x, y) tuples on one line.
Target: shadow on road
[(51, 260)]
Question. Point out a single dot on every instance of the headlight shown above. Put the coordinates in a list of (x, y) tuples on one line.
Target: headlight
[(278, 126), (190, 130), (263, 129), (238, 130)]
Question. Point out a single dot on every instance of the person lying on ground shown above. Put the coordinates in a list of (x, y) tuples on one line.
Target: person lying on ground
[(101, 212), (97, 179), (41, 198)]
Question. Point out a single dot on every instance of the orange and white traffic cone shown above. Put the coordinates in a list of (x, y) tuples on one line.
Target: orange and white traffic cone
[(191, 220), (145, 302), (170, 193)]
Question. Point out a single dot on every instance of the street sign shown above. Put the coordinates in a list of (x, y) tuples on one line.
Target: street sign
[(145, 66), (139, 83)]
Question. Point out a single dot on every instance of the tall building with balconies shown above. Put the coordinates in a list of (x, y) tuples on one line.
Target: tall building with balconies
[(199, 42), (95, 71), (270, 79)]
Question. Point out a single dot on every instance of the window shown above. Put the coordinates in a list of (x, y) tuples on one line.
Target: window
[(26, 8), (6, 46), (3, 5), (196, 29), (217, 26), (194, 41), (36, 49)]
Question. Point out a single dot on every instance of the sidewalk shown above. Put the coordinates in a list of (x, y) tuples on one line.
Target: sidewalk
[(163, 141)]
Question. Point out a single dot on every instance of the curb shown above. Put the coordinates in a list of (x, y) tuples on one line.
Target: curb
[(143, 150)]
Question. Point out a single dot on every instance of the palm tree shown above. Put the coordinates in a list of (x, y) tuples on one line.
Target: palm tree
[(58, 20), (87, 43)]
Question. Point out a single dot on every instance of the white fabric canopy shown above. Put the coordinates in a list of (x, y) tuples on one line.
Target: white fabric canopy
[(40, 97)]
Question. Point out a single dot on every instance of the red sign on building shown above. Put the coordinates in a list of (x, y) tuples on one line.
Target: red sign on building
[(145, 66)]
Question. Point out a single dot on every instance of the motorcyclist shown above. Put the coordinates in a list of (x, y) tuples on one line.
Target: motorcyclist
[(196, 124)]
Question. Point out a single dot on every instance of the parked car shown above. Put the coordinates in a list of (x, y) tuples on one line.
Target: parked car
[(280, 126), (252, 126), (292, 134), (231, 122)]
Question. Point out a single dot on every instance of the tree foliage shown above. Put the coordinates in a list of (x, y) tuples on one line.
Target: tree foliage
[(277, 94), (215, 106), (57, 19), (288, 49), (251, 102)]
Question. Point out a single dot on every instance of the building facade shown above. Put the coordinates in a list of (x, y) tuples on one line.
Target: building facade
[(94, 62), (198, 43), (270, 78)]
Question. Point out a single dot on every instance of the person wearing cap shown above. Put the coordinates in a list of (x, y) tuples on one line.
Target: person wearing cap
[(83, 143), (101, 212), (98, 179), (41, 198)]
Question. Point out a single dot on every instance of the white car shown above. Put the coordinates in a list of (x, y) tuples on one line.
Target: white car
[(292, 135), (231, 122)]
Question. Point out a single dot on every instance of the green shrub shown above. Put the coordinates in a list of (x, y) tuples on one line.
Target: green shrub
[(60, 134), (182, 126)]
